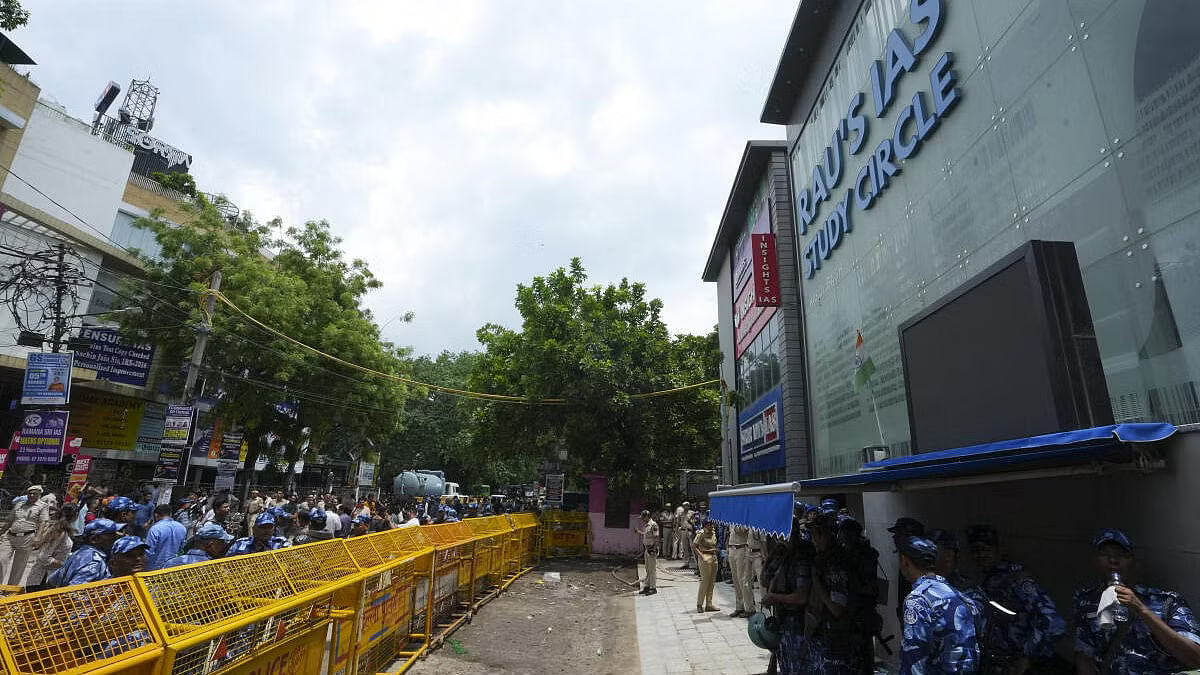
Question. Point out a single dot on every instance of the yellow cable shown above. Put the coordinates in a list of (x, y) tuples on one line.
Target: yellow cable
[(501, 398)]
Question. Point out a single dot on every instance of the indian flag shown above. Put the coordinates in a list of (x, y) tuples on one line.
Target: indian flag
[(864, 367)]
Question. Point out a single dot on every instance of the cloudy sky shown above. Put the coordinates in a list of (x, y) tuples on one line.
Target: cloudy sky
[(459, 147)]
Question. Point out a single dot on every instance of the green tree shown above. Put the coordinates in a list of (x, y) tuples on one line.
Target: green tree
[(180, 182), (12, 15), (596, 346), (283, 396)]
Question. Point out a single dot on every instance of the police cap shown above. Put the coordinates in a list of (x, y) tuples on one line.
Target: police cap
[(919, 549), (944, 539), (907, 526), (1112, 535)]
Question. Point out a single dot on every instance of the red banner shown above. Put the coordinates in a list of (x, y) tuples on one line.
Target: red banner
[(78, 479), (766, 278)]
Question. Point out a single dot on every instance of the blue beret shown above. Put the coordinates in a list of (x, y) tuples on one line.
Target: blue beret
[(1113, 535), (213, 531), (127, 544), (919, 549), (102, 526)]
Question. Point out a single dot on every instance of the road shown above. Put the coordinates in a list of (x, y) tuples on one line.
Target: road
[(583, 624)]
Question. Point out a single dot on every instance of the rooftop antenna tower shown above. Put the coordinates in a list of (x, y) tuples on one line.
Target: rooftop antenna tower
[(138, 108)]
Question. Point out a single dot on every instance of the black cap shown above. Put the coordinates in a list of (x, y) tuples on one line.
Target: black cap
[(907, 526), (982, 534), (825, 521), (944, 538), (919, 549)]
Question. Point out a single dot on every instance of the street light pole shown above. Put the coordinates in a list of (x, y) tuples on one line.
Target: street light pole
[(202, 332)]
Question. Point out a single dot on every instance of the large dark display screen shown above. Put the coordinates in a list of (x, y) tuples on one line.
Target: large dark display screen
[(1009, 354)]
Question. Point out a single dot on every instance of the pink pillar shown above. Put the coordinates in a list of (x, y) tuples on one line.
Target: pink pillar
[(606, 539)]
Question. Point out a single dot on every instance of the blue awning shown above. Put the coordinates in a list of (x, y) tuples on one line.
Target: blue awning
[(1099, 444), (768, 508)]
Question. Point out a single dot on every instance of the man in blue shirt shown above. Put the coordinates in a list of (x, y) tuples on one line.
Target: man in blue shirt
[(165, 537), (1160, 635), (209, 542), (143, 514), (90, 561), (939, 625), (263, 539), (1031, 636)]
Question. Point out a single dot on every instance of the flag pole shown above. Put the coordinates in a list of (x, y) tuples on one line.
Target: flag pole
[(878, 424)]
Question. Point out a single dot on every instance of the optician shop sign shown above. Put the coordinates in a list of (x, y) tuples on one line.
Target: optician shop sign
[(761, 434), (914, 124)]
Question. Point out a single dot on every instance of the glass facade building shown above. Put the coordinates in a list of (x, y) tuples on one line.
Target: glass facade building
[(994, 123)]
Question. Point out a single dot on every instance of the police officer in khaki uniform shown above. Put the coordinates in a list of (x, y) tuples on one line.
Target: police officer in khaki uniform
[(649, 532), (16, 546), (738, 545)]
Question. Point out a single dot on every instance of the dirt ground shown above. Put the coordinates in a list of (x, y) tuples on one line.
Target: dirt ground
[(584, 624)]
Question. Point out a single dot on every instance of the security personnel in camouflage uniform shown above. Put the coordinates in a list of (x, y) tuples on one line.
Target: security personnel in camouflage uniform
[(835, 647), (1030, 637), (263, 539), (90, 561), (1160, 636), (210, 541), (939, 624), (947, 567)]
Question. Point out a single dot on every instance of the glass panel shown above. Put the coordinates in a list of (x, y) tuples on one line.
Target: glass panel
[(1037, 38)]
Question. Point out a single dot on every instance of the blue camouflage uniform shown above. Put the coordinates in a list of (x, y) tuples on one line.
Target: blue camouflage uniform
[(790, 571), (1138, 652), (939, 630), (975, 598), (1038, 625), (195, 554), (247, 544), (87, 563), (831, 649)]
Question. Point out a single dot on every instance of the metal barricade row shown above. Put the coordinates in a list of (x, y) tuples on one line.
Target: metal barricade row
[(340, 607)]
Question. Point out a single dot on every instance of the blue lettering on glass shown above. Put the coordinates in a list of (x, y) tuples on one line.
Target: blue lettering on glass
[(913, 125)]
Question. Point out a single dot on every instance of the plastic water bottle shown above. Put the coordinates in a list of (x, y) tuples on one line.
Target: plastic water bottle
[(1120, 613)]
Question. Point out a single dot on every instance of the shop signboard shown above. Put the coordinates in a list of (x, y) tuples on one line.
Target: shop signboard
[(106, 421), (748, 319), (366, 473), (226, 473), (554, 488), (113, 359), (43, 434), (47, 379), (3, 461), (177, 430), (761, 434), (78, 477), (231, 446), (766, 278)]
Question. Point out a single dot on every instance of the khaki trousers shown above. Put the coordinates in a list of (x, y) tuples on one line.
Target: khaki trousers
[(651, 568), (708, 577), (742, 567), (16, 553)]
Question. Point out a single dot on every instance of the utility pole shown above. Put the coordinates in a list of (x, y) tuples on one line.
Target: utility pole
[(202, 332), (60, 288)]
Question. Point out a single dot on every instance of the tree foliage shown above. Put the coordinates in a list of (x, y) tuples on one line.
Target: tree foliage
[(272, 388), (178, 181), (594, 346), (12, 15)]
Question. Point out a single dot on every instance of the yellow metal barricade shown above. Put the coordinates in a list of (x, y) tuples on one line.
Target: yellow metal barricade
[(564, 534), (340, 607), (99, 627)]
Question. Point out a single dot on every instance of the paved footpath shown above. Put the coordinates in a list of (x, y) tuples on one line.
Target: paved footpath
[(673, 638)]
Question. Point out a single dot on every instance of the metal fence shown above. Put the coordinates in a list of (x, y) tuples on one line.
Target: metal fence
[(338, 607)]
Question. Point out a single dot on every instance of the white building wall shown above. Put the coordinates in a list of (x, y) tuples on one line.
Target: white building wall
[(729, 427), (60, 156), (1048, 524)]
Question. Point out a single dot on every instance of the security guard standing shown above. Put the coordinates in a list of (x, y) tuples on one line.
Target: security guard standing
[(1150, 631), (90, 561), (738, 545), (263, 539), (666, 531), (649, 534), (835, 647), (210, 542), (1028, 639), (939, 625), (947, 567)]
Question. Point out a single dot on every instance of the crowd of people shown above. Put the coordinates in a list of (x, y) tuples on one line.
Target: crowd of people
[(103, 535), (819, 594)]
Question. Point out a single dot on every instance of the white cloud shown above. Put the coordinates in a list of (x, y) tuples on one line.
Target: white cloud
[(459, 147)]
